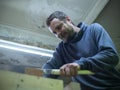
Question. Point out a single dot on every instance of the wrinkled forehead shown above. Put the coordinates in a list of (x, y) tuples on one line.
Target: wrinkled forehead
[(54, 23)]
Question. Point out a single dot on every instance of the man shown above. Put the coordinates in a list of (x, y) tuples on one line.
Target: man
[(83, 47)]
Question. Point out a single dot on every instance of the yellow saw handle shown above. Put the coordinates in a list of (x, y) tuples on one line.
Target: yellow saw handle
[(80, 72)]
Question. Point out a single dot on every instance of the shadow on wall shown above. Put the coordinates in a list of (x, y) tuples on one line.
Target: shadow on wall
[(24, 37)]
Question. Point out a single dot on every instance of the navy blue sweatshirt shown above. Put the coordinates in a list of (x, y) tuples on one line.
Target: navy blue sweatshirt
[(93, 49)]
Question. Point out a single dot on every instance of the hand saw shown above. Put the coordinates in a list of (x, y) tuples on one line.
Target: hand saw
[(57, 72), (38, 71)]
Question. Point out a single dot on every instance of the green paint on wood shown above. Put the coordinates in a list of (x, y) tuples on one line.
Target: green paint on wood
[(15, 81)]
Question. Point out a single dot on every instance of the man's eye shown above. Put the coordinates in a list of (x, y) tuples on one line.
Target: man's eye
[(54, 32), (59, 27)]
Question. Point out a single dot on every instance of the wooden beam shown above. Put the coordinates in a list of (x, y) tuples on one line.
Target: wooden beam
[(72, 86), (16, 81)]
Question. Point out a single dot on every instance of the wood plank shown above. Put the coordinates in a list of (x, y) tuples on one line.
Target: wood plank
[(72, 86), (16, 81)]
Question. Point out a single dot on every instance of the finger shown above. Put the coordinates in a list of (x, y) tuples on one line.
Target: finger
[(62, 70), (73, 69), (67, 71)]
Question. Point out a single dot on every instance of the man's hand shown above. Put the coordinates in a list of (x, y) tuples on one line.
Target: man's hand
[(69, 69)]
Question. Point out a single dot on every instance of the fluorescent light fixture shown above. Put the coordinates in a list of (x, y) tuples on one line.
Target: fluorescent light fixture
[(25, 48)]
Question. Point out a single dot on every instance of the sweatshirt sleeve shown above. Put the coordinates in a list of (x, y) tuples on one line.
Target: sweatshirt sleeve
[(54, 63), (107, 56)]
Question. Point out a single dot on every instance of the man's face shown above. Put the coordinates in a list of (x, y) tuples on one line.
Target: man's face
[(61, 29)]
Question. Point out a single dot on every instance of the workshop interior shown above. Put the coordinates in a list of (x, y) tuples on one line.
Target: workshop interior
[(26, 43)]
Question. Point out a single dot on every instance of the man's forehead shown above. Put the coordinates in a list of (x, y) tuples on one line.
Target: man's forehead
[(55, 20)]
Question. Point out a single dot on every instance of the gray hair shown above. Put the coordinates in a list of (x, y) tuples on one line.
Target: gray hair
[(57, 14)]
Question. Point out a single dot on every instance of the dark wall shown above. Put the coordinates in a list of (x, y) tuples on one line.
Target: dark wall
[(110, 19)]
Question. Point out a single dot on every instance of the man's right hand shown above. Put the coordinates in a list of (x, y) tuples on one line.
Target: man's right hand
[(69, 69)]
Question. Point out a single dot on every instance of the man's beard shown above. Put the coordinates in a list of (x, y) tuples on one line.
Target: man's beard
[(70, 36)]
